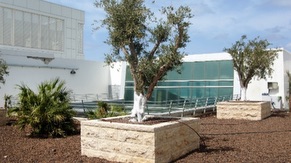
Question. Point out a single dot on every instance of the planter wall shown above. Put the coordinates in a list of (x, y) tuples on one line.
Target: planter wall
[(249, 110), (122, 142)]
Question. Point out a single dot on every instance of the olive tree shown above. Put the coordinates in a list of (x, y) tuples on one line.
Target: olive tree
[(151, 46), (251, 58)]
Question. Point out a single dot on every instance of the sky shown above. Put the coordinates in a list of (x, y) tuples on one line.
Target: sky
[(216, 24)]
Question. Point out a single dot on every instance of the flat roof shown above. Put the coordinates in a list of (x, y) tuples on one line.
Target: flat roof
[(207, 57)]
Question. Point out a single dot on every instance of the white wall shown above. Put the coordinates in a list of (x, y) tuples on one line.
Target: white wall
[(117, 77), (258, 87), (91, 77), (236, 84)]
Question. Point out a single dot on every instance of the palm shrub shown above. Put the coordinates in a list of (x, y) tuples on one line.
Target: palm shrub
[(47, 112), (116, 110), (104, 110), (100, 112)]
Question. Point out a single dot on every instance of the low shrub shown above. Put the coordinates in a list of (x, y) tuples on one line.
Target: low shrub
[(104, 110), (48, 112)]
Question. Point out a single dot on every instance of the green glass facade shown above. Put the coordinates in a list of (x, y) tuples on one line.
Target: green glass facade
[(195, 80)]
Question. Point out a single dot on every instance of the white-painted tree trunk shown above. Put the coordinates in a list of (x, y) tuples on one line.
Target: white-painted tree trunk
[(139, 105), (243, 94)]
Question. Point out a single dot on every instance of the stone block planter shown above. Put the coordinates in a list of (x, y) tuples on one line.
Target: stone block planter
[(249, 110), (157, 143)]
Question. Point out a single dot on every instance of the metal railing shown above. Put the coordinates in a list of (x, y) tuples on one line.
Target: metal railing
[(179, 107)]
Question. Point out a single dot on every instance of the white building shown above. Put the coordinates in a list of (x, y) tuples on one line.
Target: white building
[(40, 41), (274, 88)]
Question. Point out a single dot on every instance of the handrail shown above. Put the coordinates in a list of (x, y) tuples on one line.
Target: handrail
[(168, 107), (173, 107)]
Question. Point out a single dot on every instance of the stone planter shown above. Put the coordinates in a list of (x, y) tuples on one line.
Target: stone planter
[(249, 110), (158, 143)]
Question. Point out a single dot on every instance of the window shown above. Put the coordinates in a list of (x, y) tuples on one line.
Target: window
[(198, 70), (27, 28), (35, 35), (44, 32), (24, 29), (186, 71), (225, 71), (8, 24), (80, 38), (18, 28), (211, 70), (53, 34), (197, 80), (60, 35), (1, 25)]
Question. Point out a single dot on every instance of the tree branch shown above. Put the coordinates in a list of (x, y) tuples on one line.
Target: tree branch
[(158, 76), (153, 51), (180, 36), (125, 52)]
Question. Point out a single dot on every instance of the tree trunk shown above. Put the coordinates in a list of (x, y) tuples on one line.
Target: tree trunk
[(139, 104), (290, 103), (243, 94)]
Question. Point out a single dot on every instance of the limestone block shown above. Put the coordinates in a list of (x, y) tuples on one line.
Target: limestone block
[(163, 142), (249, 110)]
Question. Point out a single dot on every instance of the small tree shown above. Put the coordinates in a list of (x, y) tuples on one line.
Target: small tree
[(251, 59), (3, 71), (151, 47)]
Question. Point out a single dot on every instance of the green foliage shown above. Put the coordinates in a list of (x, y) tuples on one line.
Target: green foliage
[(3, 71), (7, 101), (252, 59), (100, 112), (116, 110), (151, 46), (47, 112), (105, 110)]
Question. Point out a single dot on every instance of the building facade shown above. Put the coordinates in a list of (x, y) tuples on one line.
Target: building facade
[(212, 75), (36, 26), (41, 41), (199, 77), (275, 87)]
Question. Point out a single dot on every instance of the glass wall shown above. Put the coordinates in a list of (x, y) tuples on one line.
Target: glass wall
[(196, 80)]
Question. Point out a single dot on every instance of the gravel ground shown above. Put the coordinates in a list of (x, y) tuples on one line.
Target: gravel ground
[(266, 141)]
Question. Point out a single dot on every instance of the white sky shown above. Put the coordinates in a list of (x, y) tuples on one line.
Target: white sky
[(216, 23)]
